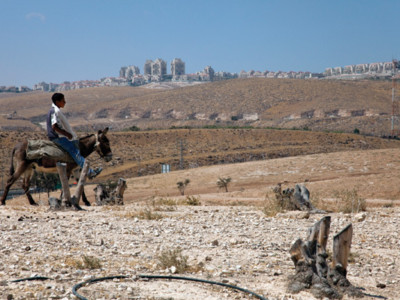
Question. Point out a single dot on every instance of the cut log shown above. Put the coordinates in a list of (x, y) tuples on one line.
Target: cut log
[(104, 195), (341, 247), (119, 191), (295, 199), (312, 270), (319, 234)]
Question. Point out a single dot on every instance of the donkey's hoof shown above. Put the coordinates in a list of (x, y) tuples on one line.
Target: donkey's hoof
[(33, 203)]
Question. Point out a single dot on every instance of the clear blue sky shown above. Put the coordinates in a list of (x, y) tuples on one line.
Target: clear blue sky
[(56, 41)]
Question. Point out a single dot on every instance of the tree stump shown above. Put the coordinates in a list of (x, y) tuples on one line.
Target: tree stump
[(106, 196), (297, 198), (312, 269)]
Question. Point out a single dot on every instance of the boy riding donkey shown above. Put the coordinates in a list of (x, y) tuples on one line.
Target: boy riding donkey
[(60, 132), (30, 155)]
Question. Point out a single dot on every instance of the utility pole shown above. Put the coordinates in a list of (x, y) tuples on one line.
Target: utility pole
[(181, 149), (395, 108)]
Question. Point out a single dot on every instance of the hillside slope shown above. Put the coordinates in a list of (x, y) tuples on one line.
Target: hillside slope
[(285, 103), (142, 153)]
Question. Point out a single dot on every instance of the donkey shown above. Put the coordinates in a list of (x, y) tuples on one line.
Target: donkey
[(94, 142)]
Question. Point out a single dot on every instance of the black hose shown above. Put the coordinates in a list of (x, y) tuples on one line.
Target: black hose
[(203, 281), (90, 281), (31, 278), (79, 285)]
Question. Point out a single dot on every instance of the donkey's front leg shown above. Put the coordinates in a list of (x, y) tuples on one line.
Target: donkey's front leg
[(26, 184), (84, 198)]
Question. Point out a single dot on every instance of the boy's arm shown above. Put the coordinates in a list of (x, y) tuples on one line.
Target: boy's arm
[(57, 129)]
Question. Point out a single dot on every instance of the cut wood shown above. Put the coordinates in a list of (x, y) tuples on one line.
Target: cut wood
[(312, 269), (106, 196), (297, 198)]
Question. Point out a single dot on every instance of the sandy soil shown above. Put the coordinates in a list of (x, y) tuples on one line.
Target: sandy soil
[(228, 238)]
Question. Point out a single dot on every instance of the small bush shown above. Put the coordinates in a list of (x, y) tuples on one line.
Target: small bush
[(173, 258), (192, 200), (86, 262), (272, 206), (349, 201), (164, 204), (134, 128), (317, 201), (148, 214), (145, 214)]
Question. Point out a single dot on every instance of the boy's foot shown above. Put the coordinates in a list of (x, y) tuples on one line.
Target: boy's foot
[(93, 173)]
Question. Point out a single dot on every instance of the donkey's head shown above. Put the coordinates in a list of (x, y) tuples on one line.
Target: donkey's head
[(102, 145)]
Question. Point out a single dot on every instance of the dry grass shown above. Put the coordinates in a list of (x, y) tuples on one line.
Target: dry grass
[(192, 201), (173, 258), (144, 214), (86, 262), (349, 201), (345, 201)]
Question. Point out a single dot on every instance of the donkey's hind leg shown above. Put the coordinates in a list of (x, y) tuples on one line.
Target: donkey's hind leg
[(11, 180), (26, 185)]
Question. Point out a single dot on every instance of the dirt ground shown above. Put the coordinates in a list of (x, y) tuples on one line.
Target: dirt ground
[(227, 238)]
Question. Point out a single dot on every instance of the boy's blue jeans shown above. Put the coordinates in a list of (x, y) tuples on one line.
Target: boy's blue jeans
[(72, 148)]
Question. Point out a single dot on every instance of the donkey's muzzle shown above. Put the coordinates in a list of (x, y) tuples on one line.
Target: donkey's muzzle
[(108, 157)]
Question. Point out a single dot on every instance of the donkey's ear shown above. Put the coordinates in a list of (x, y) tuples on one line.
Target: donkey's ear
[(103, 132)]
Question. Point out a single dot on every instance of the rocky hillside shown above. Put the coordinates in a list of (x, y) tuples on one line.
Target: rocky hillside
[(314, 104)]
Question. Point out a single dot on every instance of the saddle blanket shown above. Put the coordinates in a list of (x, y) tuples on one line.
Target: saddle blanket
[(42, 148)]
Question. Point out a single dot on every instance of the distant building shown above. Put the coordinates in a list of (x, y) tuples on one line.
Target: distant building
[(210, 72), (159, 68), (363, 71), (177, 67), (129, 72), (156, 71), (147, 67)]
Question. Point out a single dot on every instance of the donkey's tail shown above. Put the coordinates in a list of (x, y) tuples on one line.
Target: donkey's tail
[(12, 170)]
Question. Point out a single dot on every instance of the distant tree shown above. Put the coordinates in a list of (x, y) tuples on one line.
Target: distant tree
[(223, 183), (182, 186), (356, 131)]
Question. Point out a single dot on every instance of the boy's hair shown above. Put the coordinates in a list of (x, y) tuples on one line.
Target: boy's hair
[(57, 97)]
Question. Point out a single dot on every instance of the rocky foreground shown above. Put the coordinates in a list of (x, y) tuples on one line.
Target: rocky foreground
[(235, 245)]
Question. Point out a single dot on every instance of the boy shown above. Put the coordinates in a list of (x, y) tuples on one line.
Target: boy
[(60, 132)]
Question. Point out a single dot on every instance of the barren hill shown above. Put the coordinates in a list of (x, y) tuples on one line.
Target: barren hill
[(314, 104), (142, 153)]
